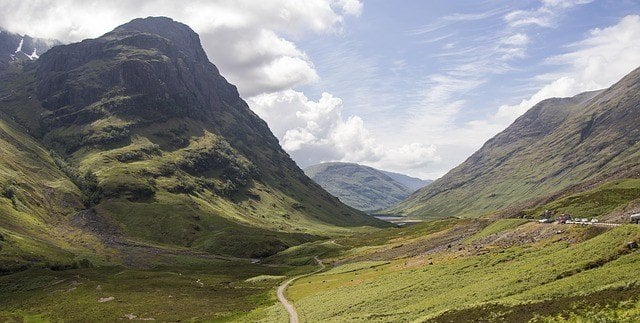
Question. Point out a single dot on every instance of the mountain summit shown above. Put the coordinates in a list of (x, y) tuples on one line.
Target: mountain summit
[(153, 144)]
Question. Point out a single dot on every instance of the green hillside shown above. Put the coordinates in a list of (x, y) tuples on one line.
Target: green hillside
[(557, 144), (503, 271), (361, 187)]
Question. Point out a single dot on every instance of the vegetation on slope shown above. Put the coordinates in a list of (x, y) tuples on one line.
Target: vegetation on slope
[(599, 202), (516, 273), (38, 204)]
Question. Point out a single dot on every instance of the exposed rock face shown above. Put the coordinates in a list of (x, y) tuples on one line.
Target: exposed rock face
[(155, 58), (558, 143)]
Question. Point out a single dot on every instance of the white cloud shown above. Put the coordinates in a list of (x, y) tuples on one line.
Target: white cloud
[(564, 3), (471, 16), (596, 62), (518, 39), (317, 131), (314, 131), (544, 16), (351, 7), (250, 41)]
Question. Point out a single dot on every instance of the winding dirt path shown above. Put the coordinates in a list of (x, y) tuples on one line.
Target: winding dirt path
[(293, 314)]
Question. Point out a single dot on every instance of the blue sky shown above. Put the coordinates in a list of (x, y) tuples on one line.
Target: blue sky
[(381, 63), (408, 86)]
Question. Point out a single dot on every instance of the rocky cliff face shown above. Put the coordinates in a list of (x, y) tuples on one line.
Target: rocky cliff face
[(556, 144)]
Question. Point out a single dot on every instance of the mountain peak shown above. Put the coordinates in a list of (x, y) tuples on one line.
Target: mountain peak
[(179, 34), (155, 63)]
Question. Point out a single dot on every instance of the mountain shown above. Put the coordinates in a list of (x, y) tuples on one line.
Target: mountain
[(413, 183), (22, 47), (557, 144), (135, 138), (362, 187)]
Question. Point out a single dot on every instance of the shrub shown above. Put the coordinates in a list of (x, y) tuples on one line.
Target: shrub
[(91, 192), (88, 184), (166, 170), (184, 185), (140, 154), (107, 135), (9, 192)]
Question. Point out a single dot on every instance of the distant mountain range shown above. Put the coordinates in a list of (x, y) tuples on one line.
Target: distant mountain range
[(362, 187), (135, 135), (559, 143)]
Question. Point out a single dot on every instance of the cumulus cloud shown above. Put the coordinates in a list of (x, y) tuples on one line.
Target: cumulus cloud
[(315, 131), (601, 59), (252, 42)]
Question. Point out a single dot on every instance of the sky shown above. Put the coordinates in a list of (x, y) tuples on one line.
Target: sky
[(408, 86)]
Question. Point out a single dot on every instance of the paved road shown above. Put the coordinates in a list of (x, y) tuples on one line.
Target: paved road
[(293, 314)]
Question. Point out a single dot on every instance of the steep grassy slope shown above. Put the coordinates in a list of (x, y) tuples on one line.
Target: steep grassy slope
[(358, 186), (556, 144), (38, 208), (158, 147)]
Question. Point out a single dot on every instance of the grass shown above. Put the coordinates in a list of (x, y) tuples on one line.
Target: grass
[(410, 288), (625, 311), (595, 202), (374, 276), (213, 290), (496, 227)]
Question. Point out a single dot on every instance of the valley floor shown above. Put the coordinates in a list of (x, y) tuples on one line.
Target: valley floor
[(449, 270)]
